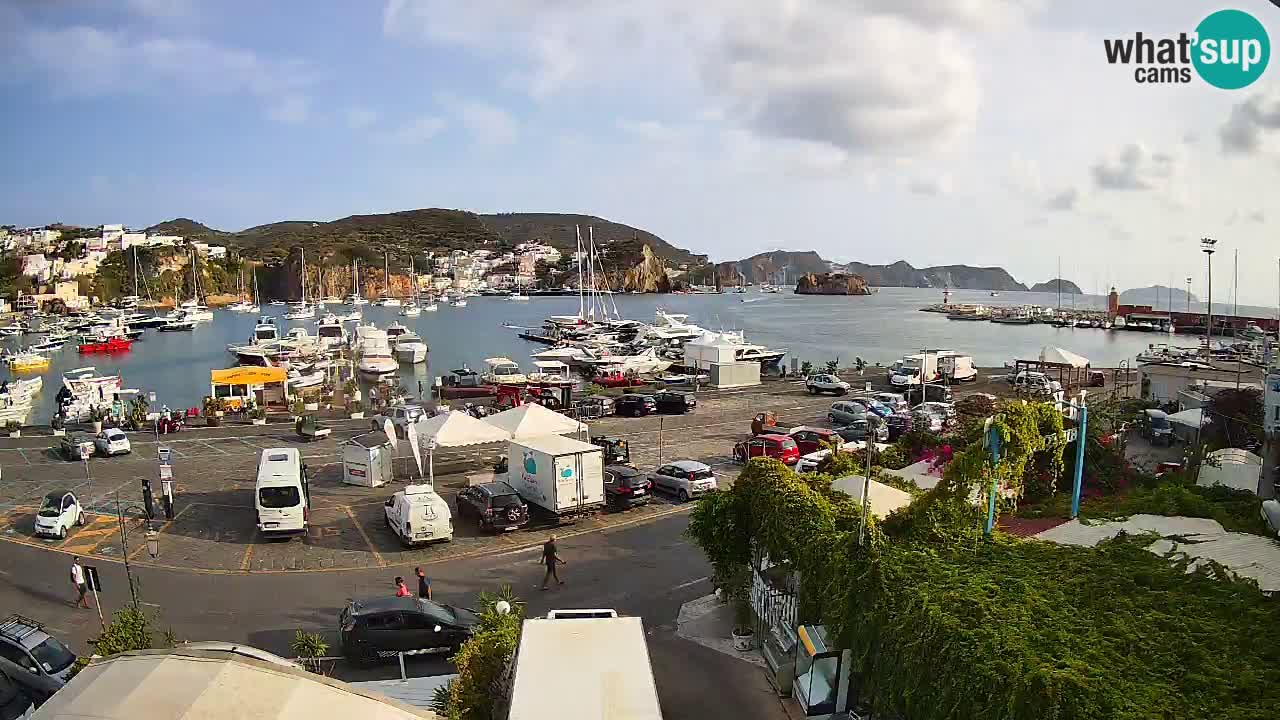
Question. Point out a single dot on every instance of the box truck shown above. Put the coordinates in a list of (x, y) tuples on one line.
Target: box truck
[(584, 665), (560, 475)]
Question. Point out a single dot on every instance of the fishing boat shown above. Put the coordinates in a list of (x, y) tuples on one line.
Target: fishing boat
[(27, 361), (50, 343), (410, 348), (374, 352), (103, 344)]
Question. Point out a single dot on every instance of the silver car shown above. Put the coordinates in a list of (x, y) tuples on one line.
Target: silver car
[(685, 478)]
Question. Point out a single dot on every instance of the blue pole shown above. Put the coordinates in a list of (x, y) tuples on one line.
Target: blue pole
[(993, 444), (1080, 440)]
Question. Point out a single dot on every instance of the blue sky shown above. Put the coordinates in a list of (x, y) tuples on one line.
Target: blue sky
[(936, 131)]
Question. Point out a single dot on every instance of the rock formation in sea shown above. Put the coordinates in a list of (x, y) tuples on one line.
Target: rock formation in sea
[(831, 284)]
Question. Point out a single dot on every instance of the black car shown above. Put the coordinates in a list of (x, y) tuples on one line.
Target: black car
[(381, 627), (670, 401), (856, 431), (625, 487), (899, 424), (931, 393), (14, 701), (635, 405), (496, 506)]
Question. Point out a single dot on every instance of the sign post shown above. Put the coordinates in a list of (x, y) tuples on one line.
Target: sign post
[(95, 584), (992, 442)]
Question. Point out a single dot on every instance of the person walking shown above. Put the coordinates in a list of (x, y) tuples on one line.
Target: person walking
[(551, 558), (77, 579), (424, 583), (401, 589)]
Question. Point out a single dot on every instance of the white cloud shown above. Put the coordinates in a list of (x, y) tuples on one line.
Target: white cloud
[(162, 9), (290, 110), (1133, 167), (417, 131), (649, 130), (359, 118), (1250, 122), (1064, 200), (487, 124)]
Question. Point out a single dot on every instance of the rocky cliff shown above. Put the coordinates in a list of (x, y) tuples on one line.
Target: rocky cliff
[(779, 266), (649, 275), (902, 274), (831, 284), (1052, 286)]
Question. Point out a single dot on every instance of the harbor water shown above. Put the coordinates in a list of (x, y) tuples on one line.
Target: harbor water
[(878, 328)]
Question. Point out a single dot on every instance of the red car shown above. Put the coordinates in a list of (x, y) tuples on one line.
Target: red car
[(815, 439), (778, 447)]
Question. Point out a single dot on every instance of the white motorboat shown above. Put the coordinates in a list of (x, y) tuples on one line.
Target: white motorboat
[(356, 300), (644, 362), (353, 316), (265, 331), (298, 380), (83, 390), (300, 311), (564, 353), (330, 332), (278, 303), (395, 330), (17, 391), (503, 371), (410, 348), (410, 309), (517, 295), (430, 306), (374, 352), (459, 302), (758, 353), (386, 301)]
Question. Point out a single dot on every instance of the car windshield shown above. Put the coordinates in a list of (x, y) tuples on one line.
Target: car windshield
[(439, 613), (1160, 423), (278, 497), (704, 473), (52, 655), (52, 506), (506, 500)]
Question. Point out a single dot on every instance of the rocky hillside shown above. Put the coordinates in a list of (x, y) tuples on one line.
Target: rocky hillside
[(557, 230), (771, 267), (649, 275), (184, 227), (902, 274), (831, 284), (1156, 296), (1052, 286)]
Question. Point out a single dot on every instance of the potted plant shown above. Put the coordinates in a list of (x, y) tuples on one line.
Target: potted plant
[(739, 592), (14, 427), (311, 405), (352, 390), (59, 425), (297, 407), (356, 408), (96, 416), (258, 415), (212, 416)]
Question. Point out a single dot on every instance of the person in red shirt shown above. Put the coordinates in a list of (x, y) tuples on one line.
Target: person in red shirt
[(401, 589)]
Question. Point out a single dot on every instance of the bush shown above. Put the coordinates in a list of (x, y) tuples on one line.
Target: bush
[(979, 406), (893, 458), (478, 692)]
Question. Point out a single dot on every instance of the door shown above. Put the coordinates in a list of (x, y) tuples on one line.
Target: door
[(18, 656), (419, 632), (392, 512), (68, 511), (663, 477), (385, 631)]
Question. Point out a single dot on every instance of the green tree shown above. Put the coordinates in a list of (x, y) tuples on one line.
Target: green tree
[(129, 629), (479, 692)]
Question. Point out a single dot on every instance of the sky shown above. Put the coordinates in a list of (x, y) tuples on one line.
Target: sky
[(984, 132)]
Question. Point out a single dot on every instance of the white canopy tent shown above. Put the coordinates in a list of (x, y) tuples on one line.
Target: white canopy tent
[(711, 348), (1193, 418), (1058, 356), (452, 429), (533, 420), (881, 499), (196, 685), (1234, 467)]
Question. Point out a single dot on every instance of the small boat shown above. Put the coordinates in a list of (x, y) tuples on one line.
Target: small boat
[(27, 361), (330, 331), (517, 295), (503, 371), (395, 330), (460, 302), (995, 294), (410, 309), (299, 380), (53, 343), (430, 306), (387, 301), (279, 303), (178, 326), (104, 345), (683, 378), (374, 352), (410, 348), (300, 311)]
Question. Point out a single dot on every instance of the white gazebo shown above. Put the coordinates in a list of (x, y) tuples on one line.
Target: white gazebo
[(451, 430), (1233, 467), (533, 420), (1059, 357)]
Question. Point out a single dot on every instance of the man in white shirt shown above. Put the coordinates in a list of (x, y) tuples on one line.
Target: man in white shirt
[(77, 579)]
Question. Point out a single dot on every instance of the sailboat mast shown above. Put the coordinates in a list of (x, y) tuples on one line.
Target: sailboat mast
[(1059, 284), (135, 271), (578, 233), (386, 272), (1235, 294), (304, 276)]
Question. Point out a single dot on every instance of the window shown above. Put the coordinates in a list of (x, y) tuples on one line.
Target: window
[(10, 652), (52, 655), (278, 497), (385, 621)]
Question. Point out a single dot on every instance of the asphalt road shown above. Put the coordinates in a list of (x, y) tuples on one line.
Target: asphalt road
[(647, 570)]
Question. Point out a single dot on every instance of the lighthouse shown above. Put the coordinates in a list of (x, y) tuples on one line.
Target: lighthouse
[(1113, 305)]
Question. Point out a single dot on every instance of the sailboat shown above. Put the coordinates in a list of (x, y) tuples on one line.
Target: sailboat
[(247, 305), (191, 310), (386, 300), (356, 299), (411, 308), (301, 310)]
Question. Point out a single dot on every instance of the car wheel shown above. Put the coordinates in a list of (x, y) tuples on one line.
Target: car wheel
[(637, 413), (812, 390), (683, 495), (62, 532), (842, 392), (80, 519)]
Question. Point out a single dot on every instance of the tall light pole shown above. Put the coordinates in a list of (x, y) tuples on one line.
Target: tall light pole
[(1188, 295), (1207, 244)]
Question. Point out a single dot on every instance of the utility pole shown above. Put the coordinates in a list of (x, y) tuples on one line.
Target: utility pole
[(1207, 246), (1188, 295)]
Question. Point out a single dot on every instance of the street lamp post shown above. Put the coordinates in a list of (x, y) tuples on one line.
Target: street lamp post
[(1188, 296), (152, 540), (1207, 245)]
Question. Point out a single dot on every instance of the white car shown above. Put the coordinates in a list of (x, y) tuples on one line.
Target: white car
[(826, 383), (57, 514), (687, 479), (1271, 515), (417, 514), (401, 417), (112, 441), (1036, 382)]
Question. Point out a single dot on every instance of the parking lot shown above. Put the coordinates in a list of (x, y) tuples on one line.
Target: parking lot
[(214, 526)]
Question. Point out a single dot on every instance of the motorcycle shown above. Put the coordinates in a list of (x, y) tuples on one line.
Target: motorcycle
[(168, 424)]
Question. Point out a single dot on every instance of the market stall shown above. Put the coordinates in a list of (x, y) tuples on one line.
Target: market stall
[(533, 420), (450, 430), (239, 387)]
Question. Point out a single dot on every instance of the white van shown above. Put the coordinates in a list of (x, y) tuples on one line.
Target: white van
[(281, 495), (418, 515), (956, 367)]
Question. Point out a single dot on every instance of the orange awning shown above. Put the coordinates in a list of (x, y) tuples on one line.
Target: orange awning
[(248, 376)]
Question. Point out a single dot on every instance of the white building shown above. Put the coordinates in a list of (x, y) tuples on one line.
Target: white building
[(111, 237), (128, 239), (37, 267)]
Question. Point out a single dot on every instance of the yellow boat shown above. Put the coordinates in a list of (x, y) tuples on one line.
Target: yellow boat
[(27, 362)]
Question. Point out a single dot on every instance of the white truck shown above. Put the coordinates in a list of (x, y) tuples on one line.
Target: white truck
[(956, 367), (911, 368), (560, 475), (611, 675)]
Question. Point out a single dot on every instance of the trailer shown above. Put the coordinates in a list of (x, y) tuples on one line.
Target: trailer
[(583, 665), (559, 475), (367, 461)]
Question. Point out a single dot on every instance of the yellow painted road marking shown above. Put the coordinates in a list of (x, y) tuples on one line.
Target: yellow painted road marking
[(248, 557), (376, 555)]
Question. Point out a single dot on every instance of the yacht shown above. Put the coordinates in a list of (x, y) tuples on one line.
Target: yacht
[(387, 301), (395, 330), (374, 352), (460, 301), (410, 348), (300, 311), (248, 305), (517, 295), (265, 331), (410, 309), (430, 305), (330, 332), (352, 316), (298, 380), (193, 311), (503, 371), (646, 361), (767, 357)]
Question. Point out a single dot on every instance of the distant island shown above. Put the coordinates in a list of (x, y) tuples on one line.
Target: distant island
[(784, 267), (831, 284), (1157, 296), (1052, 286)]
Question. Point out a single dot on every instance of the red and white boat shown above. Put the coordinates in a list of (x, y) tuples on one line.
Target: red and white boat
[(102, 344)]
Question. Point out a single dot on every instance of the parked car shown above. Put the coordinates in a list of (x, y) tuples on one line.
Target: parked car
[(872, 405), (811, 439), (616, 450), (778, 447), (1271, 515), (625, 487), (856, 431), (927, 420), (417, 514), (946, 410), (896, 402), (1157, 428), (846, 412), (113, 441), (401, 417), (59, 511), (898, 424), (670, 401), (928, 393), (687, 479), (826, 383), (1036, 382), (46, 662), (77, 446), (383, 626), (635, 405), (496, 506), (15, 702)]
